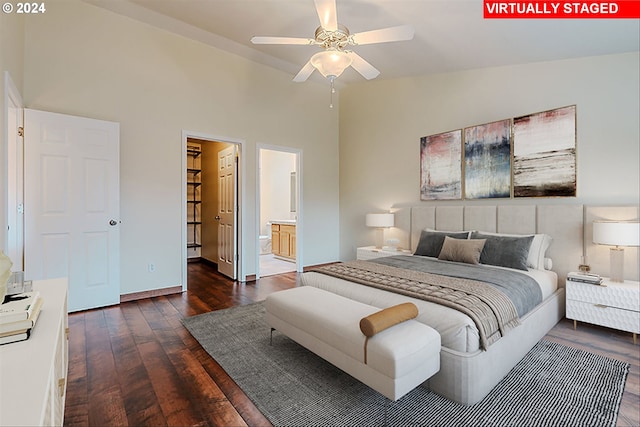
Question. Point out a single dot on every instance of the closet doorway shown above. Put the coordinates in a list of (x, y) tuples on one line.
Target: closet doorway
[(211, 204), (279, 217)]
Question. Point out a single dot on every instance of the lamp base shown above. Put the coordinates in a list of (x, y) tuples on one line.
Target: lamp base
[(379, 238), (617, 264)]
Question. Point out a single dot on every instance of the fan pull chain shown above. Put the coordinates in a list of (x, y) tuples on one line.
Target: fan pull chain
[(333, 90)]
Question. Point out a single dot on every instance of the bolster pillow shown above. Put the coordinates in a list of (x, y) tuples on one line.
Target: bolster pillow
[(383, 319)]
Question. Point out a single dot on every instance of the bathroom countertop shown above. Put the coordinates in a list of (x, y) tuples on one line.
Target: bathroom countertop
[(284, 221)]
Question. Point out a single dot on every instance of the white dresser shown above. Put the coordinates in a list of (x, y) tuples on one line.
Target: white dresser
[(33, 373), (369, 252), (614, 305)]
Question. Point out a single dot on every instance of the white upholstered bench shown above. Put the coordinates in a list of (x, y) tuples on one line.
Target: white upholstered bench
[(398, 358)]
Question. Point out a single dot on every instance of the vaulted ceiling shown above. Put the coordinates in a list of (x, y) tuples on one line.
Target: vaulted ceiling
[(450, 35)]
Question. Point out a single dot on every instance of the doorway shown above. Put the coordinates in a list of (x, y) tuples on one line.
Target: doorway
[(279, 219), (211, 204)]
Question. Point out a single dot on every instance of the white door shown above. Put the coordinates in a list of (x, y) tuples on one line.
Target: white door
[(226, 217), (72, 205)]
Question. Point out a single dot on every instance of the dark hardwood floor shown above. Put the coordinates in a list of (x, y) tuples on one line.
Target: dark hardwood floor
[(135, 364)]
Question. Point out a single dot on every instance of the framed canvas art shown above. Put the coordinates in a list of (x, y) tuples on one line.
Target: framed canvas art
[(544, 154), (487, 160), (441, 166)]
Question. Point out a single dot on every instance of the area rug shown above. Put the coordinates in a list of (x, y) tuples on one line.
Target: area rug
[(553, 385)]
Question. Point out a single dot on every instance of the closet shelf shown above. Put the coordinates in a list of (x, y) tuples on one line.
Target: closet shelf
[(194, 171), (195, 184), (193, 152), (193, 222), (194, 201), (194, 245)]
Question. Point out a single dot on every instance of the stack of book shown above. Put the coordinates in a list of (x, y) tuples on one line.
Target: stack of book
[(590, 278), (18, 316)]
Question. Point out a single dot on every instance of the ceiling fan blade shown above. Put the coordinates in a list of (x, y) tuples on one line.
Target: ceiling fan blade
[(384, 35), (327, 14), (304, 73), (281, 40), (367, 70)]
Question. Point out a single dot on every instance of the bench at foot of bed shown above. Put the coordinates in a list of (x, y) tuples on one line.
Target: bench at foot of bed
[(397, 359)]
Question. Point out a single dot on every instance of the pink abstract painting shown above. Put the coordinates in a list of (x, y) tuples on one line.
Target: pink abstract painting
[(441, 166)]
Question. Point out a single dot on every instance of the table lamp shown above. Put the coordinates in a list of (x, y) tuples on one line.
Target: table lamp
[(616, 233), (380, 221)]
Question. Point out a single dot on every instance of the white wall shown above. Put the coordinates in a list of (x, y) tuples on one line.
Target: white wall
[(83, 60), (381, 123)]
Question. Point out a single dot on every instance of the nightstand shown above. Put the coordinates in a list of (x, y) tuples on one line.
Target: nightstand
[(370, 252), (612, 304)]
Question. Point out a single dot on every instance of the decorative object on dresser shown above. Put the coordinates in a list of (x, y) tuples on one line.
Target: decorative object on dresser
[(380, 221), (18, 316), (34, 374), (616, 233), (613, 304)]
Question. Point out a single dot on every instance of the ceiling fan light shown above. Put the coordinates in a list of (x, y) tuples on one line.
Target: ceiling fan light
[(331, 62)]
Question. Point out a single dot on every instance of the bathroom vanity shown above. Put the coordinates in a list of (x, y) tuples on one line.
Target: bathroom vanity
[(283, 239)]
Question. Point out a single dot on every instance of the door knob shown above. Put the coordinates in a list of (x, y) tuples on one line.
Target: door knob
[(113, 222), (217, 218)]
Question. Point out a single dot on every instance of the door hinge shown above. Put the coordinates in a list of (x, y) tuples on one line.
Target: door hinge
[(20, 131), (20, 208)]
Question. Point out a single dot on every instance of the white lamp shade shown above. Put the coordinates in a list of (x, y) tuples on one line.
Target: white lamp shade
[(616, 233), (331, 62), (380, 220)]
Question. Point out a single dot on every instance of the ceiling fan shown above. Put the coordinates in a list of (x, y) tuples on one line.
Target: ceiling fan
[(334, 39)]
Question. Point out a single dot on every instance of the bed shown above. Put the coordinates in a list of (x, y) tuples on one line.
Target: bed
[(471, 365)]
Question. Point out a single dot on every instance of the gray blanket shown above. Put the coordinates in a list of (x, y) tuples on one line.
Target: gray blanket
[(523, 291), (491, 309)]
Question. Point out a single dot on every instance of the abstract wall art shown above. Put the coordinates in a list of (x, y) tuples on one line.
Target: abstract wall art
[(544, 154), (441, 166), (487, 160)]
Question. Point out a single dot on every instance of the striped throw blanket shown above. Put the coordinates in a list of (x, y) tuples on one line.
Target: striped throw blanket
[(492, 311)]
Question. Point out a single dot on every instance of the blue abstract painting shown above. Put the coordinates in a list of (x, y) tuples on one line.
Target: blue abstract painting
[(487, 160)]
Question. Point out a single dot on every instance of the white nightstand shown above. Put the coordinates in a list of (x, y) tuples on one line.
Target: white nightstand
[(369, 252), (614, 305)]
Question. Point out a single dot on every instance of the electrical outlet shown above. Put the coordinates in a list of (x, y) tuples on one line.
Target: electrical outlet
[(152, 267)]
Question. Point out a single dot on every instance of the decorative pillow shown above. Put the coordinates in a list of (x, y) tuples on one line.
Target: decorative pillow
[(467, 251), (430, 243), (504, 251), (539, 246), (391, 316)]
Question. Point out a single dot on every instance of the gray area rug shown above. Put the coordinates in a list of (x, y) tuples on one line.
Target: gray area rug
[(553, 385)]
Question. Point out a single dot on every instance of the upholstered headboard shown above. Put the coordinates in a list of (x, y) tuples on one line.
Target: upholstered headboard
[(568, 225)]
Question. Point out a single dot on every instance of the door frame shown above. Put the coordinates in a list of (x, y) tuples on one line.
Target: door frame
[(240, 197), (13, 197), (299, 204)]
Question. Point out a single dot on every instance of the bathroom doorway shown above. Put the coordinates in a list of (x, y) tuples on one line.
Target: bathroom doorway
[(279, 219)]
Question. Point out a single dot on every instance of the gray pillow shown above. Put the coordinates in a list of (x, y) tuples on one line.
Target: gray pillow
[(511, 252), (430, 243)]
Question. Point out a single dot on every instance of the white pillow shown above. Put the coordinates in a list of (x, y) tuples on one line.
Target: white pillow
[(537, 251)]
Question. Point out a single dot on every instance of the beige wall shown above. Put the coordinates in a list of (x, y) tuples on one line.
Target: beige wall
[(11, 60), (381, 123), (83, 60)]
